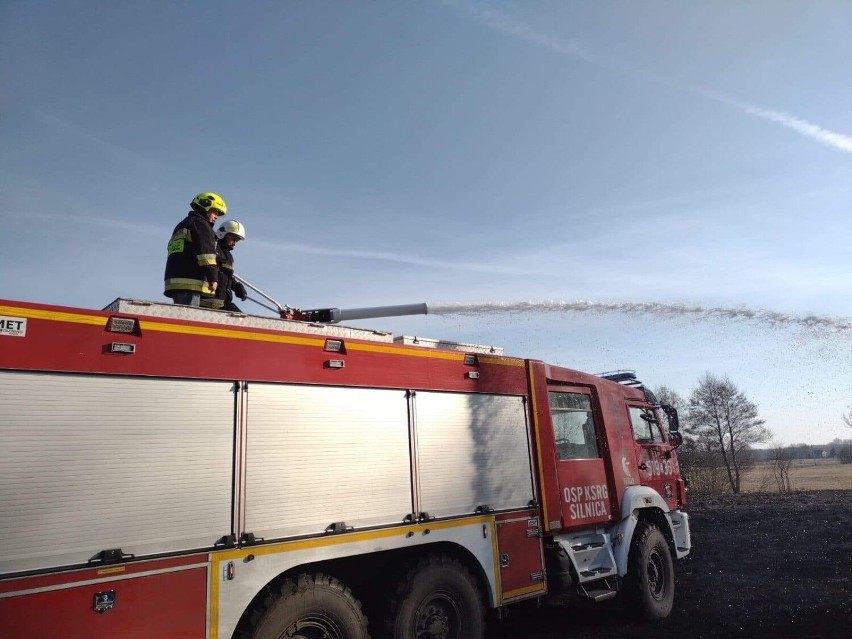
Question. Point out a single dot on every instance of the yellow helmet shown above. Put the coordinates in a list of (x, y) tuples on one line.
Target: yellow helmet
[(203, 202)]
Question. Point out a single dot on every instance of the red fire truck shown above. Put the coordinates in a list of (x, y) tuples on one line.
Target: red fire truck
[(169, 471)]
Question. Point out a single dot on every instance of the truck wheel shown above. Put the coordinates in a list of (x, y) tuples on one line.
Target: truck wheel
[(313, 607), (649, 583), (437, 599)]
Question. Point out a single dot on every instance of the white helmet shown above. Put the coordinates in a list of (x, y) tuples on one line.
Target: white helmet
[(231, 226)]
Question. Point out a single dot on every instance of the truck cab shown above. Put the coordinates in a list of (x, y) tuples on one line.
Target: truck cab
[(607, 467)]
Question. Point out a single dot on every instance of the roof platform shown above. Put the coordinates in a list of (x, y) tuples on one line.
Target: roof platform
[(244, 320), (145, 308)]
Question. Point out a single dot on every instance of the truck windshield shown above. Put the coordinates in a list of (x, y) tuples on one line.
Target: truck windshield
[(646, 428)]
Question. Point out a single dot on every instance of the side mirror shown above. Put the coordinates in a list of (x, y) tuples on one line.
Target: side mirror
[(675, 438), (671, 414)]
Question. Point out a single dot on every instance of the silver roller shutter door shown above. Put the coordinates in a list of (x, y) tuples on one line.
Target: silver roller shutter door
[(472, 451), (89, 463), (318, 455)]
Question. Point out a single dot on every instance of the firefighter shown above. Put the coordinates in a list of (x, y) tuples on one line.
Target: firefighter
[(191, 271), (229, 233)]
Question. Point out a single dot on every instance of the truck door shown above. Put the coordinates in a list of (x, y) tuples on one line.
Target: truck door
[(657, 466), (579, 463)]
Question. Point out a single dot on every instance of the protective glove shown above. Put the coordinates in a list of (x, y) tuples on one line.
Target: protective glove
[(293, 314)]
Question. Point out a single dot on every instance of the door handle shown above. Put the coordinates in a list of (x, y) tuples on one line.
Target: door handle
[(643, 466)]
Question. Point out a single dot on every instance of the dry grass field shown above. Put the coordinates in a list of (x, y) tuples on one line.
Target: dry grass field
[(805, 474)]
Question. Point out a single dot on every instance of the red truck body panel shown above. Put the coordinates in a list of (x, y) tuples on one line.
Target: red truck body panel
[(168, 595)]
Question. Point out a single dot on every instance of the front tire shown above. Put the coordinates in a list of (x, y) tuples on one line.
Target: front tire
[(437, 599), (313, 607), (649, 583)]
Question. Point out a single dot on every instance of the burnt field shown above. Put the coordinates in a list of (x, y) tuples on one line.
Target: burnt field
[(762, 565)]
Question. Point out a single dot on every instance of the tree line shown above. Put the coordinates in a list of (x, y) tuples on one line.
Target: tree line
[(835, 449), (721, 428)]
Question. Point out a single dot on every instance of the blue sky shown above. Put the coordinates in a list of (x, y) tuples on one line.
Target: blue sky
[(460, 152)]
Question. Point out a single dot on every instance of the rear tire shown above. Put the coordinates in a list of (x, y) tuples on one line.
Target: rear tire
[(437, 599), (312, 607), (649, 583)]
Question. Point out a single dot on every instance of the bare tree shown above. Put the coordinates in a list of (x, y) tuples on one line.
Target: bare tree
[(666, 395), (722, 418), (702, 464), (780, 462)]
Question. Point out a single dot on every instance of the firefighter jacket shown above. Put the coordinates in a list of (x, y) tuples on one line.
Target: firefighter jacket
[(191, 264), (228, 286)]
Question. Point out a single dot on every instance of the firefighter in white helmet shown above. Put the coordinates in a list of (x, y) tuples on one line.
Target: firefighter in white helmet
[(229, 233)]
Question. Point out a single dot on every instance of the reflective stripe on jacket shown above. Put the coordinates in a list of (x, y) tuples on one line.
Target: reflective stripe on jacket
[(191, 263), (227, 284)]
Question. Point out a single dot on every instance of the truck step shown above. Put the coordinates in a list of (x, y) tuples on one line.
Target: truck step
[(604, 571), (587, 546), (601, 594), (591, 555)]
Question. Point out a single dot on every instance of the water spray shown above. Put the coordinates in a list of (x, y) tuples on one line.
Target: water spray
[(775, 319), (655, 309)]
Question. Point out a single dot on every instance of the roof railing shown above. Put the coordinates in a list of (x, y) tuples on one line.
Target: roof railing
[(625, 377), (628, 378)]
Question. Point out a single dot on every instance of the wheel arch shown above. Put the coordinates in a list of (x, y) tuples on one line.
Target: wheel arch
[(294, 601), (641, 503), (437, 596), (360, 573), (484, 581)]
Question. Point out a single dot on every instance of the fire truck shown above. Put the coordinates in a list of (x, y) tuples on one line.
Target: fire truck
[(177, 472)]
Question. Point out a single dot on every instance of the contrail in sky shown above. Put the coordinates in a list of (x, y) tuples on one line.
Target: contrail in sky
[(499, 22), (413, 260), (109, 149), (816, 132), (102, 222), (289, 247)]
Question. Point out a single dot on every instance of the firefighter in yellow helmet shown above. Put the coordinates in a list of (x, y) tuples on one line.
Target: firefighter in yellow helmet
[(191, 269), (229, 233)]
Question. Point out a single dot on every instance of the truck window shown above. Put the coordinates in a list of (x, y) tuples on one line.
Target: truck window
[(573, 426), (645, 425)]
